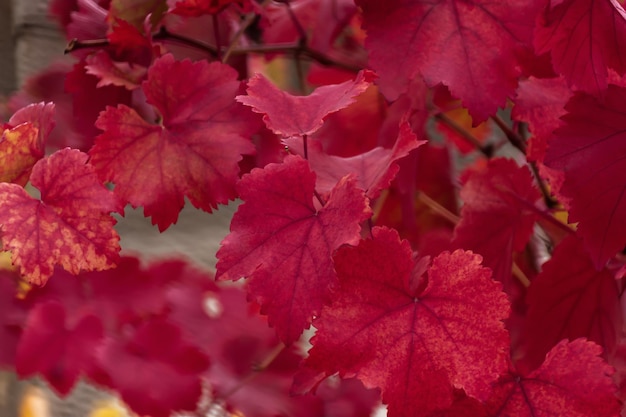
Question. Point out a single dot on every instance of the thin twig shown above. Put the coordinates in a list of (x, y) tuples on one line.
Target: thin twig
[(454, 219), (438, 208), (515, 139), (485, 150), (287, 49), (217, 35), (547, 197), (248, 20)]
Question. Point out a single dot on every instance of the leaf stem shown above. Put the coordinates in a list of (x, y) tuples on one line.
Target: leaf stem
[(216, 33), (248, 20), (438, 208), (515, 139), (487, 151)]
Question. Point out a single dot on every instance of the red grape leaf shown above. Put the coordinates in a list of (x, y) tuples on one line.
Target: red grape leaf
[(374, 169), (570, 299), (23, 143), (126, 39), (283, 243), (19, 151), (88, 100), (153, 369), (194, 152), (289, 115), (573, 381), (466, 45), (70, 226), (41, 116), (121, 74), (540, 103), (56, 348), (585, 37), (497, 216), (410, 335), (589, 148)]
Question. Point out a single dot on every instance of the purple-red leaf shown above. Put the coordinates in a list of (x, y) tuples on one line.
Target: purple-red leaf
[(570, 299), (468, 46), (573, 381), (283, 242), (497, 216), (374, 169), (58, 349), (585, 38), (289, 115), (589, 148), (416, 337)]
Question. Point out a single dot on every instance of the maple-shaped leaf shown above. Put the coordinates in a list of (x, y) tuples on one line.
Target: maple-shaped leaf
[(497, 216), (573, 381), (192, 153), (59, 350), (584, 37), (283, 243), (416, 337), (289, 115), (571, 299), (589, 149), (374, 169), (23, 143), (468, 46), (70, 226), (154, 369)]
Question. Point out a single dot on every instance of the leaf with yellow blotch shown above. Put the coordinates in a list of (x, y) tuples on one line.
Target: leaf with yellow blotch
[(23, 141), (70, 226)]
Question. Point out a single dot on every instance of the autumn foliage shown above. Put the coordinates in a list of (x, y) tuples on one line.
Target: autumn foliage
[(436, 189)]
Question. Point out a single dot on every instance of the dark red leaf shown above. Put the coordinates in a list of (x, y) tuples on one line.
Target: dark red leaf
[(468, 46), (12, 318), (193, 153), (573, 381), (56, 348), (497, 216), (165, 374), (289, 115), (589, 148), (585, 38), (70, 226), (283, 242), (571, 299), (410, 334)]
